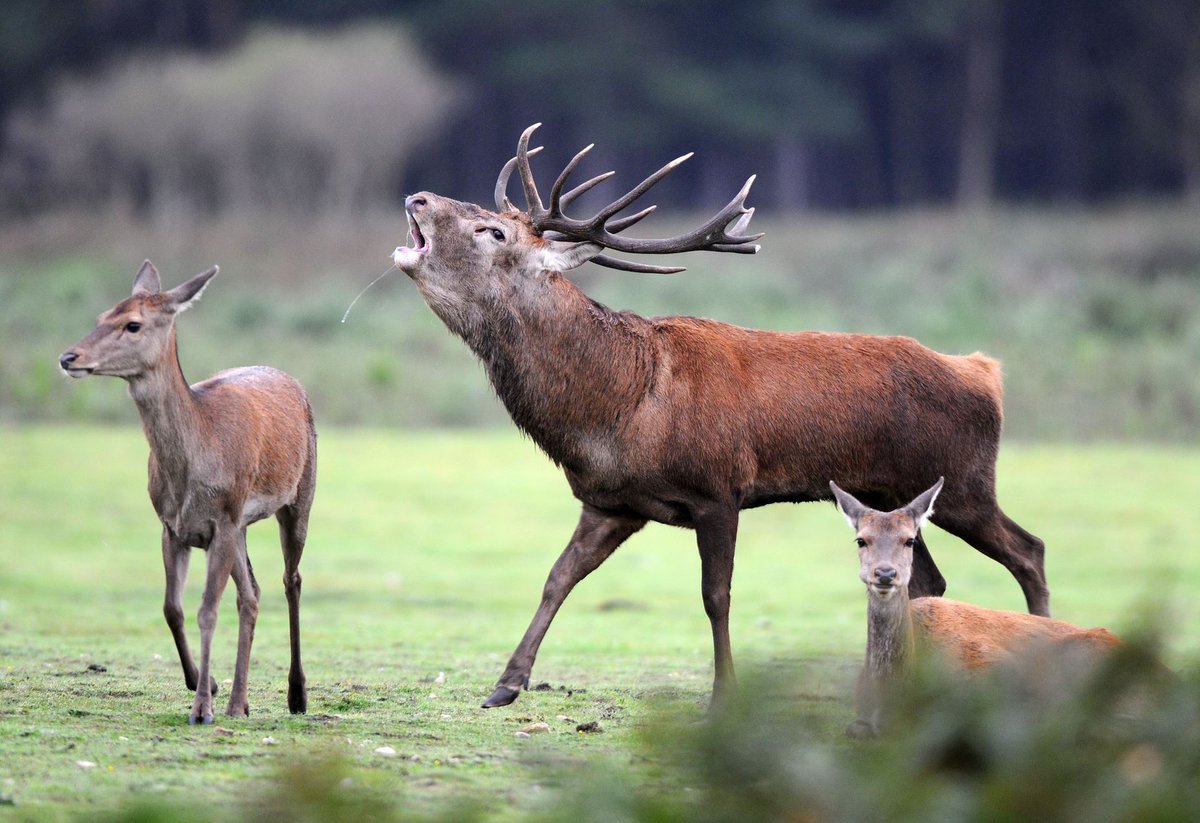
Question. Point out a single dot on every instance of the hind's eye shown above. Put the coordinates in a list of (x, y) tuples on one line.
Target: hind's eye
[(133, 328), (910, 542), (862, 544)]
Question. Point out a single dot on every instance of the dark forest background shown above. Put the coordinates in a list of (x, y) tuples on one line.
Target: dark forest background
[(856, 104)]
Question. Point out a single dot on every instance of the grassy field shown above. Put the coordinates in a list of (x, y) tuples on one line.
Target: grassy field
[(425, 560)]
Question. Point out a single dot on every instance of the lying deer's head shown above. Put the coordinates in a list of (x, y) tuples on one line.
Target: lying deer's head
[(462, 254), (886, 539), (134, 335)]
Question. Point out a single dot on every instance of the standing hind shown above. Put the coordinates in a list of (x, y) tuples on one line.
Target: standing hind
[(224, 453)]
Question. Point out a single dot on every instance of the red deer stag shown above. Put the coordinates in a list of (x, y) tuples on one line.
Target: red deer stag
[(897, 627), (224, 453), (687, 421)]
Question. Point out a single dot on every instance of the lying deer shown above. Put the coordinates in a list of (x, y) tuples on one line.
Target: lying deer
[(687, 421), (224, 453), (965, 635)]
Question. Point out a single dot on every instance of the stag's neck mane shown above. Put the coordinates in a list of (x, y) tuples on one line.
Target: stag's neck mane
[(168, 410), (568, 369), (890, 639)]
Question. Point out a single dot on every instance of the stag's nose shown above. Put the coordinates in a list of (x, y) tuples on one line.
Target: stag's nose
[(416, 202), (67, 358), (885, 575)]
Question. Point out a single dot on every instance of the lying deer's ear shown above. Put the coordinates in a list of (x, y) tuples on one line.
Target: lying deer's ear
[(183, 296), (921, 509), (146, 281), (559, 255), (848, 505)]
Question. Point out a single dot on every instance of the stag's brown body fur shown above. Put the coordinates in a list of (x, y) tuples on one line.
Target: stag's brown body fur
[(645, 414)]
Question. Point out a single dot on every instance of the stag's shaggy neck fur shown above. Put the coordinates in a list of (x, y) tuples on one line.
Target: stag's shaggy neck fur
[(567, 368)]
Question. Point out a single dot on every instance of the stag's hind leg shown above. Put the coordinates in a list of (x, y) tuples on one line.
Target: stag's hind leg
[(293, 530), (926, 580), (993, 533), (596, 537)]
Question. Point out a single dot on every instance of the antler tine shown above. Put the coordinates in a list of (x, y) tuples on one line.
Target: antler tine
[(623, 223), (585, 186), (640, 189), (502, 201), (629, 265), (532, 199), (556, 205)]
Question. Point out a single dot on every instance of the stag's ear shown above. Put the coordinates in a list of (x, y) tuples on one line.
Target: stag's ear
[(921, 509), (183, 296), (559, 255), (848, 505), (146, 281)]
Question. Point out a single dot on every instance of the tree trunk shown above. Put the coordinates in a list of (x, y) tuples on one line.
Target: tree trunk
[(981, 106)]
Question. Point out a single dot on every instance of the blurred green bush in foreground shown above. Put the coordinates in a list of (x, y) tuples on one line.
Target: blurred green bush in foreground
[(1111, 741)]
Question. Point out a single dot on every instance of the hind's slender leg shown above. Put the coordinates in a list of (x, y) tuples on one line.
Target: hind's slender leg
[(247, 604), (993, 533), (926, 580), (293, 529)]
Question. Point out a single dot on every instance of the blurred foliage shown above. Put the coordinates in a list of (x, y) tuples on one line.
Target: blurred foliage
[(288, 121), (846, 105), (1115, 740)]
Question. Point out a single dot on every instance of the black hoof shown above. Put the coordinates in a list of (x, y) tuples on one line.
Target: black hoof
[(206, 720), (298, 705), (501, 697)]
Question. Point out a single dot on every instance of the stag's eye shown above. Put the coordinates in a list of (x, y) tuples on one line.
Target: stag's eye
[(496, 233), (862, 544), (133, 327), (499, 235)]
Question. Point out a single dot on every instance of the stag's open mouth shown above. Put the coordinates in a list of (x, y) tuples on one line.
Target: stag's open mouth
[(405, 257)]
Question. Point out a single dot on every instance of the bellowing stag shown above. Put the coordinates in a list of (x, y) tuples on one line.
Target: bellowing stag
[(687, 421)]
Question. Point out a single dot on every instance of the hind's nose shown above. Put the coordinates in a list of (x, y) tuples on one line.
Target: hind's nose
[(67, 358), (885, 575)]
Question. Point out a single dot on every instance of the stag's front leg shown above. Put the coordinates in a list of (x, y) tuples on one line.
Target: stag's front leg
[(596, 537), (716, 536), (222, 553), (247, 603)]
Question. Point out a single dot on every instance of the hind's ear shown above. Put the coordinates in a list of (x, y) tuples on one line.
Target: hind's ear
[(184, 295), (848, 505), (146, 281), (921, 509)]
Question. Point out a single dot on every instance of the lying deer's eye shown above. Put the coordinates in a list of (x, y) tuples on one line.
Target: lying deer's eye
[(910, 542), (133, 328), (862, 544)]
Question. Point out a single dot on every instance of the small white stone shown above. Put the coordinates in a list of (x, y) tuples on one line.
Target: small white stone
[(268, 741), (537, 728), (385, 751), (85, 764), (440, 679), (521, 735)]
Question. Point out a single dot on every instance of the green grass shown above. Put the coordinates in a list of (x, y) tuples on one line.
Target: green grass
[(426, 555)]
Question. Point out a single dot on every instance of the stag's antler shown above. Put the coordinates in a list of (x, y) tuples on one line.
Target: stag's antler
[(722, 232)]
